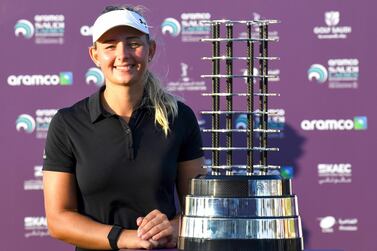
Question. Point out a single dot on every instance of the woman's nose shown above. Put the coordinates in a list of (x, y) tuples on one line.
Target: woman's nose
[(123, 51)]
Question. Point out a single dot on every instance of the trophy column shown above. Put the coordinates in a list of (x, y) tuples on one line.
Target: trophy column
[(240, 206)]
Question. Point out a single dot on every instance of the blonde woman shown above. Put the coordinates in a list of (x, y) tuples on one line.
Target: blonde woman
[(114, 159)]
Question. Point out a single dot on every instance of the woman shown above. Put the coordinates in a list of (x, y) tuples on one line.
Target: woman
[(113, 160)]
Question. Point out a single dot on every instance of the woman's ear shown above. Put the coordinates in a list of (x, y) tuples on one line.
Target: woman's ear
[(152, 50), (94, 55)]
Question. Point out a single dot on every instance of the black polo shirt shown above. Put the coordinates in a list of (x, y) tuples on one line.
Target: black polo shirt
[(123, 170)]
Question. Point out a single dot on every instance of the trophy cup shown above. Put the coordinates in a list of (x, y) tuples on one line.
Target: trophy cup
[(226, 209)]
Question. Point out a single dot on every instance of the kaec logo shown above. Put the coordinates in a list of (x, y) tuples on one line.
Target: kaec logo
[(25, 28), (64, 78), (317, 72), (340, 173), (26, 123), (171, 26), (95, 76), (358, 123)]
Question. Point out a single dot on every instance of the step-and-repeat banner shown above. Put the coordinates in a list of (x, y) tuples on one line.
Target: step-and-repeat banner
[(327, 73)]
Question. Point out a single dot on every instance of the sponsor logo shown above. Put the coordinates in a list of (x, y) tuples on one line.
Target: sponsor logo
[(330, 224), (327, 223), (317, 72), (334, 173), (39, 123), (273, 34), (47, 29), (25, 28), (185, 83), (66, 78), (276, 122), (35, 226), (272, 72), (94, 76), (36, 183), (171, 26), (190, 27), (287, 172), (332, 30), (358, 123), (63, 78), (86, 30), (340, 73), (25, 123)]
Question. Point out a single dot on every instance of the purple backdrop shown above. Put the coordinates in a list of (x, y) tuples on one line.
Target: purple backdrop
[(326, 72)]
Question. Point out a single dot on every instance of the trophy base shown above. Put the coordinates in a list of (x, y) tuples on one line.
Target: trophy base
[(195, 244)]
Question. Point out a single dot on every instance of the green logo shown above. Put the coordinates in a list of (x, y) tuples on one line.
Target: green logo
[(360, 122), (66, 78)]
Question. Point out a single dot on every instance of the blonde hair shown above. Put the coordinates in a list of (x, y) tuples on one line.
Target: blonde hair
[(165, 104)]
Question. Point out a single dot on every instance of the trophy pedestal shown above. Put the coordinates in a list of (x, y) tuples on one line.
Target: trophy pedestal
[(241, 213), (194, 244)]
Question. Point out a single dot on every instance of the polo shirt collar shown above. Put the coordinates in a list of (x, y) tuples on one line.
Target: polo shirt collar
[(95, 106), (97, 111)]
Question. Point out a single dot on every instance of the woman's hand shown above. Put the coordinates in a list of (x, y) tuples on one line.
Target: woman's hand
[(156, 227), (129, 240)]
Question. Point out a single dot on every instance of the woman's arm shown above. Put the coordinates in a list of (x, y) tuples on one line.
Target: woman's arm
[(187, 170), (66, 224), (155, 225)]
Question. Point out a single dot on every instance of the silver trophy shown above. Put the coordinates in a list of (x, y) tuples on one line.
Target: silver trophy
[(240, 207)]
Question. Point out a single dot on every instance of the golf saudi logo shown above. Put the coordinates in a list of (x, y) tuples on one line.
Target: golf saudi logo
[(25, 28), (171, 26), (26, 123), (95, 76), (317, 72)]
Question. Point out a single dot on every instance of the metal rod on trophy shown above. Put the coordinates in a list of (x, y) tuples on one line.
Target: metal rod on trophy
[(229, 98), (250, 101), (215, 98), (263, 99)]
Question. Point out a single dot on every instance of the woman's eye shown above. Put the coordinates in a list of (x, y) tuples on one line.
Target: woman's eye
[(133, 45)]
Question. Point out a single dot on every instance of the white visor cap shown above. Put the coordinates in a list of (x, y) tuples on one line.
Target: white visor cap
[(116, 18)]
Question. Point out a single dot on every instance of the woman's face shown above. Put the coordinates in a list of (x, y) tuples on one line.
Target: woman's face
[(123, 54)]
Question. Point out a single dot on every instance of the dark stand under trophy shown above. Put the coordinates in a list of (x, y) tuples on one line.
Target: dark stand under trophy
[(253, 210)]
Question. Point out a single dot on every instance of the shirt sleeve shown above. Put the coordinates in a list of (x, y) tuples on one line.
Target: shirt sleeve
[(192, 140), (58, 151)]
